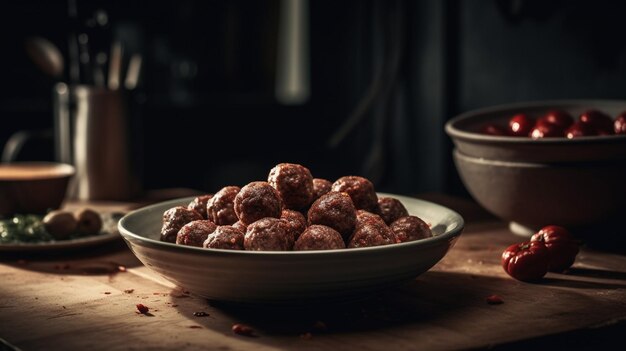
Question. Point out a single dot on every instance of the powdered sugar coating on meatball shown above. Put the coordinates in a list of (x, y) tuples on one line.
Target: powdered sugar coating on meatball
[(199, 204), (257, 200), (372, 234), (268, 234), (220, 207), (390, 209), (319, 237), (410, 228), (195, 233), (296, 221), (334, 210), (361, 191), (225, 237), (320, 187), (294, 183), (174, 219)]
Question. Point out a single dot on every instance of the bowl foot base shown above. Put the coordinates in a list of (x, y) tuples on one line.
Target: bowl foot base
[(521, 230)]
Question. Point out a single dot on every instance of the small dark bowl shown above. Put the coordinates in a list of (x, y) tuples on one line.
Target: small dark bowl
[(33, 187)]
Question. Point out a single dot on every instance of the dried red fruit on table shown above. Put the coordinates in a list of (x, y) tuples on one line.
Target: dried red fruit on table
[(242, 329), (494, 300), (562, 247), (143, 309), (527, 261)]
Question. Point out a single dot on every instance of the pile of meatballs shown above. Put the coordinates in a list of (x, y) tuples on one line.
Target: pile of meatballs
[(293, 211)]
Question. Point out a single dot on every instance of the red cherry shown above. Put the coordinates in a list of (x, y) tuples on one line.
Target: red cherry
[(579, 129), (559, 118), (543, 129), (620, 124), (520, 125), (493, 129), (602, 123)]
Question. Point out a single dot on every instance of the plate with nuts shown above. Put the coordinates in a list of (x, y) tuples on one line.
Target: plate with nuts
[(58, 230)]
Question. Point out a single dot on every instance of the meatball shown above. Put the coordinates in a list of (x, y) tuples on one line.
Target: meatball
[(360, 190), (225, 237), (294, 183), (320, 187), (296, 221), (240, 225), (364, 217), (220, 209), (410, 228), (373, 233), (268, 234), (335, 210), (195, 233), (319, 237), (174, 219), (199, 204), (391, 209), (257, 200)]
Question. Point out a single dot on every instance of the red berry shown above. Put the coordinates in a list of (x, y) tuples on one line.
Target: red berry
[(494, 300), (559, 118), (543, 129), (601, 122), (242, 329), (620, 124), (579, 129), (143, 309), (520, 125), (493, 129)]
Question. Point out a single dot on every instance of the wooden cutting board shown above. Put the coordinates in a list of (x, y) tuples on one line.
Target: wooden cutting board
[(84, 301)]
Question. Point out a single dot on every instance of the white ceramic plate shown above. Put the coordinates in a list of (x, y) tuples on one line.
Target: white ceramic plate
[(293, 276), (109, 233)]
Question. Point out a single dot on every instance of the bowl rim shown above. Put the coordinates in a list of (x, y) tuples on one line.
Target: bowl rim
[(455, 132), (427, 242), (60, 170), (526, 164)]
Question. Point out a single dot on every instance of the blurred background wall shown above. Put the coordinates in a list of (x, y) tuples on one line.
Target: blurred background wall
[(230, 88)]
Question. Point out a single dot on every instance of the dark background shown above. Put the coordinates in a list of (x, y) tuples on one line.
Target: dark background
[(208, 115)]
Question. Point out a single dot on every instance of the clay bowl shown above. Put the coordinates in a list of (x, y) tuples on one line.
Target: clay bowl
[(577, 183), (290, 277), (33, 187)]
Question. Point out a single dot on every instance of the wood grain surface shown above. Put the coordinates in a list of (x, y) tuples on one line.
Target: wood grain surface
[(87, 300)]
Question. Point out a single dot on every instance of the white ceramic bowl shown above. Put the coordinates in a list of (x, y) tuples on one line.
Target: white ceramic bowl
[(289, 277)]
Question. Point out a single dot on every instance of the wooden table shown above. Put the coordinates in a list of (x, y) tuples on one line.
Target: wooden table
[(87, 300)]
